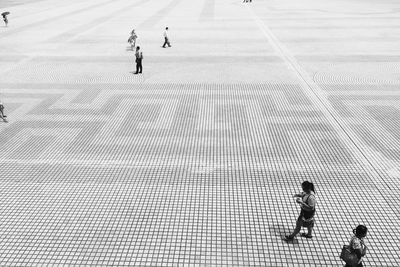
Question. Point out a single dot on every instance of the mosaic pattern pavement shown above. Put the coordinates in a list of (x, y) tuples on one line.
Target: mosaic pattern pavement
[(194, 162)]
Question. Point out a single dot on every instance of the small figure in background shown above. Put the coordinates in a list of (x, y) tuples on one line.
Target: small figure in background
[(139, 58), (5, 14), (166, 38), (2, 116), (132, 39)]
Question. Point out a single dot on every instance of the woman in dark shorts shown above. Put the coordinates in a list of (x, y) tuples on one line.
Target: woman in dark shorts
[(307, 201)]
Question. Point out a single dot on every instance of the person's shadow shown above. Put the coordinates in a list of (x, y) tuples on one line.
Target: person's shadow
[(280, 231)]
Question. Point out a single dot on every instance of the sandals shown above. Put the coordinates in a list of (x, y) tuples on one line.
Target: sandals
[(288, 238), (306, 235)]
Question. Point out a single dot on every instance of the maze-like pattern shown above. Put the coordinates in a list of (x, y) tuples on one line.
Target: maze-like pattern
[(262, 122), (195, 161)]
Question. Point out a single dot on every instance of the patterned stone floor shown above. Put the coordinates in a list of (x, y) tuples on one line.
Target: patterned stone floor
[(194, 162)]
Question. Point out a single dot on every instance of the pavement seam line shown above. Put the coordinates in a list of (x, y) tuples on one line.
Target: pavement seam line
[(314, 91)]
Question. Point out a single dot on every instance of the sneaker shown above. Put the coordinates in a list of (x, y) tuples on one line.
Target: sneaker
[(306, 235), (288, 238)]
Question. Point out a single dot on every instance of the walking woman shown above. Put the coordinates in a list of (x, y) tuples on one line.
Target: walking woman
[(357, 245), (307, 201)]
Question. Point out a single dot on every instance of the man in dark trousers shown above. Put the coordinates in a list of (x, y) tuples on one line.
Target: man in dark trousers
[(139, 58), (166, 38)]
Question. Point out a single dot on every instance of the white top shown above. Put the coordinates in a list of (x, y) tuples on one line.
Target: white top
[(166, 34)]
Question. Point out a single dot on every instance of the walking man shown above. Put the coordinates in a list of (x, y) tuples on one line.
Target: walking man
[(139, 58), (166, 38)]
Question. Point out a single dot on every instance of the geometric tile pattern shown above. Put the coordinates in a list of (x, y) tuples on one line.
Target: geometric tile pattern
[(195, 161)]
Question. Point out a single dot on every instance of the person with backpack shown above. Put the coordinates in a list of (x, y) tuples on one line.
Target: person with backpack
[(307, 202), (357, 246), (139, 58)]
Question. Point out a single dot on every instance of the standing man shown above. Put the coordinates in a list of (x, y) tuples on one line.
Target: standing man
[(139, 57), (166, 42)]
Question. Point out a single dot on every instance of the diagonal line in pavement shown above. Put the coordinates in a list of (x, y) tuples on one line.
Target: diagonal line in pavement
[(316, 94), (161, 13), (71, 34)]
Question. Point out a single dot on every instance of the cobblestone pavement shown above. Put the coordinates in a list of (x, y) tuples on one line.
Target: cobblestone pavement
[(194, 162)]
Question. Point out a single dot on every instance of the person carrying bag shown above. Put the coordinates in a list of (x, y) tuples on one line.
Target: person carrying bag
[(353, 253)]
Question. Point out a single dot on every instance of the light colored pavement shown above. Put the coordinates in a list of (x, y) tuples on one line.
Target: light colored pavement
[(194, 162)]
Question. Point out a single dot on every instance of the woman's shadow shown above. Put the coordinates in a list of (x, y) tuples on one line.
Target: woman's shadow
[(280, 231)]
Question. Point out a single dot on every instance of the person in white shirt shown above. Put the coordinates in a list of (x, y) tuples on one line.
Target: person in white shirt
[(132, 39), (166, 38), (357, 244), (139, 58)]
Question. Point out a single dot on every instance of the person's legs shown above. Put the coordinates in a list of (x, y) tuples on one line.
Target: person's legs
[(2, 111), (165, 41), (296, 230), (140, 67), (2, 116), (137, 67), (310, 229)]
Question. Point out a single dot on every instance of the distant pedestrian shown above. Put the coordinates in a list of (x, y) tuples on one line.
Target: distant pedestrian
[(132, 39), (5, 14), (166, 38), (307, 201), (357, 246), (139, 58), (2, 116)]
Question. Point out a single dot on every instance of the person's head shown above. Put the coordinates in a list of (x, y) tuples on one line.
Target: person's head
[(307, 186), (166, 28), (137, 48), (360, 231)]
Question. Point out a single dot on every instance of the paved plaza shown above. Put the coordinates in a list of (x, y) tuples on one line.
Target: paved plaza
[(195, 161)]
